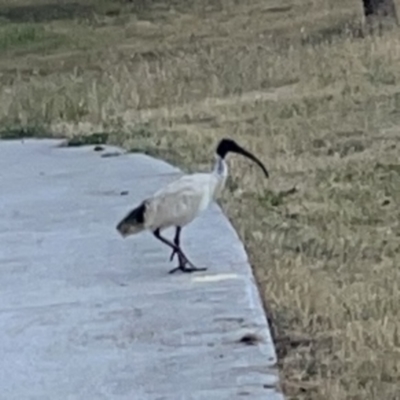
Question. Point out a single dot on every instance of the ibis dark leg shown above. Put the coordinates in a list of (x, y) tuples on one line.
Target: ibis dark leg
[(183, 260), (177, 242)]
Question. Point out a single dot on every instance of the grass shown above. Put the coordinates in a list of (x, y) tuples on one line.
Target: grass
[(292, 81)]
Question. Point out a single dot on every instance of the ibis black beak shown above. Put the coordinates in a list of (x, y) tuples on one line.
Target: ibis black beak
[(228, 145), (239, 150)]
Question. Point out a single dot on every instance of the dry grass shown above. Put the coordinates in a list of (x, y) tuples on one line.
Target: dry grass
[(289, 81)]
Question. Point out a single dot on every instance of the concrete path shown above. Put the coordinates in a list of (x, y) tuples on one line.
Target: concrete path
[(86, 315)]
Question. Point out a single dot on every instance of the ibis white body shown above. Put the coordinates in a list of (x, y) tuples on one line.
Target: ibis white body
[(181, 201)]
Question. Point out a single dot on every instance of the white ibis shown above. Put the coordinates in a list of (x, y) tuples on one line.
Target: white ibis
[(181, 201)]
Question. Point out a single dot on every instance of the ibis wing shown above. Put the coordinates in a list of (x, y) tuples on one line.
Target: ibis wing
[(178, 203)]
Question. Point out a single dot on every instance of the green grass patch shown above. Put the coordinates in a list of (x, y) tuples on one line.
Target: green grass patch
[(29, 38)]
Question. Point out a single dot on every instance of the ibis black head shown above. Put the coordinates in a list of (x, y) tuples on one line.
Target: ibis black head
[(228, 145)]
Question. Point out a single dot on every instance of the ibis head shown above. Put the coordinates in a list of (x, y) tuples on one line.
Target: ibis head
[(133, 222), (228, 145)]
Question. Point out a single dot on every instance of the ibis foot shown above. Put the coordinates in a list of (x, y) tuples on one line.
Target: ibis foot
[(184, 264), (186, 269)]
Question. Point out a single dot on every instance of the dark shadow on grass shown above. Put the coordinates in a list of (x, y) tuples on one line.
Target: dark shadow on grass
[(87, 9), (86, 140), (46, 12), (24, 132), (341, 30)]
